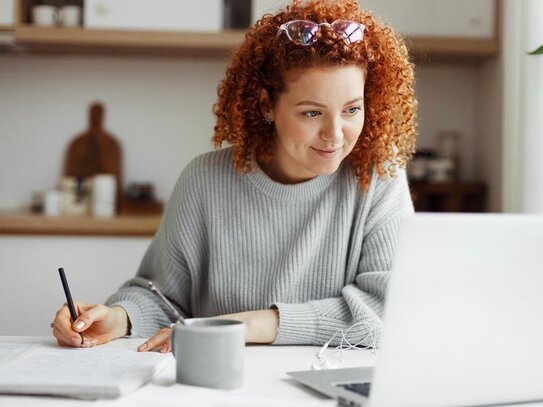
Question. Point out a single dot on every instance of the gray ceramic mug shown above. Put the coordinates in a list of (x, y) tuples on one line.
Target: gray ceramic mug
[(209, 352)]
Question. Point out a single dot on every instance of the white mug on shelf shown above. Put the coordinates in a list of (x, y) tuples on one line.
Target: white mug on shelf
[(70, 16), (52, 203), (104, 190), (45, 15)]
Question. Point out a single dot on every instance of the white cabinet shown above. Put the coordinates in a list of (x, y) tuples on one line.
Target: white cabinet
[(7, 12), (261, 7), (31, 291), (154, 15), (437, 18), (421, 18)]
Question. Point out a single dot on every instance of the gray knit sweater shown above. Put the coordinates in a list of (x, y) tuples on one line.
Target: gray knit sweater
[(320, 251)]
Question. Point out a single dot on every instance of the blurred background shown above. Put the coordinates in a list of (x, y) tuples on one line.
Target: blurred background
[(103, 103)]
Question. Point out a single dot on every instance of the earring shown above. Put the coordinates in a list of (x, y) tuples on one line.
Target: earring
[(268, 119)]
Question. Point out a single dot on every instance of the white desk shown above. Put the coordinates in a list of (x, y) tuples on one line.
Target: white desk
[(265, 378)]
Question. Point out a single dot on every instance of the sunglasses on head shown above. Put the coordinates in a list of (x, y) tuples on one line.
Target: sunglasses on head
[(304, 32)]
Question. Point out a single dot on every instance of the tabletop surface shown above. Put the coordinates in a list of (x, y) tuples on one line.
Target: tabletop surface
[(266, 383)]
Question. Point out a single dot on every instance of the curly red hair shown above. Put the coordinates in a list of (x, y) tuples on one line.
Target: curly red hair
[(388, 137)]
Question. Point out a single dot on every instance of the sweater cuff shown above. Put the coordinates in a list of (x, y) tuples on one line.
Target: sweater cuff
[(297, 324), (135, 316)]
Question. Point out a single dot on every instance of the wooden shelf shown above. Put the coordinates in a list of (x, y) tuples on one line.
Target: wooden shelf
[(166, 43), (216, 45), (29, 224)]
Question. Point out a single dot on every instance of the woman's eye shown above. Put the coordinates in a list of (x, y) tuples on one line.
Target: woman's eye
[(311, 113), (353, 110)]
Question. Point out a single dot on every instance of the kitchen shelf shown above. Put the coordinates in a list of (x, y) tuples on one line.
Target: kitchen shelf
[(124, 42), (31, 224), (214, 45)]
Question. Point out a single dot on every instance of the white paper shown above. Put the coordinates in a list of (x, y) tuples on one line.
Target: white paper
[(91, 373)]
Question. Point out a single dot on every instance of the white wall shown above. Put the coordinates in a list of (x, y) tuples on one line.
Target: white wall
[(533, 113), (31, 291), (159, 109), (523, 107), (7, 12)]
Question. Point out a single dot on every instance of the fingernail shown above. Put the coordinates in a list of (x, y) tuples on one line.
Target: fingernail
[(89, 344), (79, 326), (76, 340), (142, 347)]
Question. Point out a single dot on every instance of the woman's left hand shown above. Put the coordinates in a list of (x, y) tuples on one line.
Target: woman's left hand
[(160, 341), (260, 327)]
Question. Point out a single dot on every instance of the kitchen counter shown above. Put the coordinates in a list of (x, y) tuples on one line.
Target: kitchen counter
[(32, 224)]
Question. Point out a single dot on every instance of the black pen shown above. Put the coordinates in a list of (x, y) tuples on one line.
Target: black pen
[(69, 299)]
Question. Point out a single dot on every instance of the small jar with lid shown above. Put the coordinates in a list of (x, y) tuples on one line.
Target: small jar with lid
[(75, 192)]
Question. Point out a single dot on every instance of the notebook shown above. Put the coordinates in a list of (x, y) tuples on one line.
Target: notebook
[(462, 322), (84, 373)]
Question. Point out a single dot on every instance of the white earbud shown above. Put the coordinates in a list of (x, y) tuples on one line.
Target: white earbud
[(323, 364), (321, 352)]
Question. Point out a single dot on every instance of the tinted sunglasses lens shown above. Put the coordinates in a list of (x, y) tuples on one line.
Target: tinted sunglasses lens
[(349, 31), (302, 32)]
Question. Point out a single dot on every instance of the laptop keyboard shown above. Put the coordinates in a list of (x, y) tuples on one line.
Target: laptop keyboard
[(359, 388)]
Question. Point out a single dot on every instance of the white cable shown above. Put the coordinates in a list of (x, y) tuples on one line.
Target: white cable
[(367, 343)]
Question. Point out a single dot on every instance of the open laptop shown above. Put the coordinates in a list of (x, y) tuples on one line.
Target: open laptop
[(463, 322)]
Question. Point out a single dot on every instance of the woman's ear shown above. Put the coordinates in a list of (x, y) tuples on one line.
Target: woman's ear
[(266, 108)]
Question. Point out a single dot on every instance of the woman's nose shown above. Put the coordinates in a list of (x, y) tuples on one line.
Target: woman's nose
[(332, 131)]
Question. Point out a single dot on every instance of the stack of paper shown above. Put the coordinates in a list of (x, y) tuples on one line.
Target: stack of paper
[(87, 373)]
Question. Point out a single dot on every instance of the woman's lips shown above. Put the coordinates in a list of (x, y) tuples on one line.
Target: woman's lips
[(326, 153)]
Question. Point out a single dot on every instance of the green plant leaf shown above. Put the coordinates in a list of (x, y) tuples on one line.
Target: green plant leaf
[(538, 51)]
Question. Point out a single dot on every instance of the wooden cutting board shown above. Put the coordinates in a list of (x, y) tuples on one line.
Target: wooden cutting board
[(95, 151)]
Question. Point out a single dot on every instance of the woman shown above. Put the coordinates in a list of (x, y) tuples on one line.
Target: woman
[(292, 228)]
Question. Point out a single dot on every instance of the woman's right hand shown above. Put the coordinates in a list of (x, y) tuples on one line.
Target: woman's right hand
[(98, 323)]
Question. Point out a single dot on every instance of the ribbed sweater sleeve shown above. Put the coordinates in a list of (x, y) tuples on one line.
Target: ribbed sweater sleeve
[(319, 251), (164, 263)]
